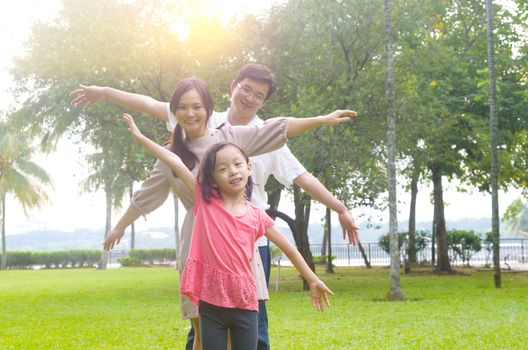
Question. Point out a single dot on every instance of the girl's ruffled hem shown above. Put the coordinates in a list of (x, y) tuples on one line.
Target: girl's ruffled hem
[(201, 281)]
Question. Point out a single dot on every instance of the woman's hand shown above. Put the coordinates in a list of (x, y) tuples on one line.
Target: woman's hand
[(85, 96)]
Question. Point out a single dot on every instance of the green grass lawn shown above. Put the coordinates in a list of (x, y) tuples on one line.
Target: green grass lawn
[(138, 308)]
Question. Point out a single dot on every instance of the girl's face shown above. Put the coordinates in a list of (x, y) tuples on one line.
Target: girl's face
[(231, 171), (191, 114)]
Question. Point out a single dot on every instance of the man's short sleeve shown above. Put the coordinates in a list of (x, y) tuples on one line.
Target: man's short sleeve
[(285, 167), (171, 119)]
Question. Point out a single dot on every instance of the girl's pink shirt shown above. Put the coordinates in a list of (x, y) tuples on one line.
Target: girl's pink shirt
[(218, 269)]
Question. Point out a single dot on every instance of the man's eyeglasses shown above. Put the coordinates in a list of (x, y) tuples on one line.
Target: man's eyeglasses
[(247, 92)]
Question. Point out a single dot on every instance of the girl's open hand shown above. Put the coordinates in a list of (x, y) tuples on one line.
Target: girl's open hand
[(320, 292), (113, 237), (132, 128), (338, 117)]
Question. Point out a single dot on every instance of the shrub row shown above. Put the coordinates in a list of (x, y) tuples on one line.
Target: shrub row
[(85, 258), (53, 259), (152, 256)]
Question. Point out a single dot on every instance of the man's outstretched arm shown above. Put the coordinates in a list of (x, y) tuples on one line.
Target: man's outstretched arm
[(85, 96), (311, 185)]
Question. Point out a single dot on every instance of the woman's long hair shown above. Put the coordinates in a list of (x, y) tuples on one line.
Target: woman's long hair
[(206, 172), (178, 146)]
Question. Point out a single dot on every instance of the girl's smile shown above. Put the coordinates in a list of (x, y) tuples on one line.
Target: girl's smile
[(231, 171)]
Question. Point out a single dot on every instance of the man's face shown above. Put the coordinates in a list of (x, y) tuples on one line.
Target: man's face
[(247, 97)]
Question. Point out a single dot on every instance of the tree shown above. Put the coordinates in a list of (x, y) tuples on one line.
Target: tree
[(516, 219), (395, 292), (321, 58), (441, 62), (19, 176), (494, 141)]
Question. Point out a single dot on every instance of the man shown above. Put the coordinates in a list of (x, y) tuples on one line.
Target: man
[(251, 88)]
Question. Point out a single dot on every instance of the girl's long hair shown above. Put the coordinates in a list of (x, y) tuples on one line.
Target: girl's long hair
[(178, 146), (206, 172)]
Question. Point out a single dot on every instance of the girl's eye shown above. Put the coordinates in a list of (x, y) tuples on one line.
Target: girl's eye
[(239, 164)]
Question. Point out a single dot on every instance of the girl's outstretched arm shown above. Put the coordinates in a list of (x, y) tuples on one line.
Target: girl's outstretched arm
[(297, 126), (318, 289), (170, 159)]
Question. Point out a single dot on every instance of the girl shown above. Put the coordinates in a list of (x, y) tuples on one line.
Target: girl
[(218, 275)]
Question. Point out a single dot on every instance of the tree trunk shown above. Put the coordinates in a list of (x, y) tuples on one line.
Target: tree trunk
[(364, 255), (104, 255), (274, 197), (433, 240), (411, 248), (494, 141), (302, 216), (3, 265), (328, 225), (324, 246), (176, 226), (273, 213), (132, 226), (443, 264), (395, 292)]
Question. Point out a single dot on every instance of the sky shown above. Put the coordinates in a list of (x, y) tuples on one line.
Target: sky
[(69, 209)]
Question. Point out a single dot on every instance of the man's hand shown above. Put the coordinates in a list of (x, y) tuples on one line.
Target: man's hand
[(350, 229), (338, 117)]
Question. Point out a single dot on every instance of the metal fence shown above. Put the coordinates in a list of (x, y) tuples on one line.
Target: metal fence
[(512, 252)]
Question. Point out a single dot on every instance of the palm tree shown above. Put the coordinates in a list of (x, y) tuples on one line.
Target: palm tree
[(19, 176), (516, 219)]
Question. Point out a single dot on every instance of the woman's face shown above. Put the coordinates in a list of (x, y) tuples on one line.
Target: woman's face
[(191, 114)]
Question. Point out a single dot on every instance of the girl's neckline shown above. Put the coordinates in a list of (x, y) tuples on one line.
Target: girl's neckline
[(243, 213)]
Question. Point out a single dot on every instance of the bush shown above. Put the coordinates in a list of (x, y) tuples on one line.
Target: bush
[(128, 262), (321, 259), (421, 239), (463, 244)]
